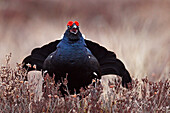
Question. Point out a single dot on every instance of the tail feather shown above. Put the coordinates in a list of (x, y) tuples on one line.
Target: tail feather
[(109, 64), (38, 56)]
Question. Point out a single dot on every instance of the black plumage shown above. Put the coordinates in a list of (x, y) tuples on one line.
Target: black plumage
[(82, 59)]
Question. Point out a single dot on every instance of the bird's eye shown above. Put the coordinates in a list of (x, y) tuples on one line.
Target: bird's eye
[(77, 23), (70, 23)]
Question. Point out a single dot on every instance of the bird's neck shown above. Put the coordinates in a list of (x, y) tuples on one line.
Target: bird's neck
[(78, 41), (72, 38)]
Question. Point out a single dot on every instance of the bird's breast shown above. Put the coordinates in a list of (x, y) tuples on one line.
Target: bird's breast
[(72, 57)]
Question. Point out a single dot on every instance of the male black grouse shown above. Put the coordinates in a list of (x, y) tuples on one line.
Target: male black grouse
[(82, 59)]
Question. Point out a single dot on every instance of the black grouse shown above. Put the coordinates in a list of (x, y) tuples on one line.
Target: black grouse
[(81, 59)]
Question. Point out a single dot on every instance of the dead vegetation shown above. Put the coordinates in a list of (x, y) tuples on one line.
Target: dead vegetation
[(137, 31), (18, 95)]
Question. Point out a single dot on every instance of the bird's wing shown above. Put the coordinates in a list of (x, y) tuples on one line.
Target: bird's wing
[(38, 55), (109, 64)]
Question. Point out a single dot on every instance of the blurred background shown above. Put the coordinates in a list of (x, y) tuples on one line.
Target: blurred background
[(137, 31)]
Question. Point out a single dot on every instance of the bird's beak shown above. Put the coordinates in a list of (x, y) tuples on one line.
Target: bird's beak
[(74, 29), (74, 26)]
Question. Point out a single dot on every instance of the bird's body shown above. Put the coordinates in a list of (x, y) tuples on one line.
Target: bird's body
[(82, 59), (74, 58)]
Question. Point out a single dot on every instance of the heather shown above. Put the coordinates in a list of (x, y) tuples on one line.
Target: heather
[(18, 95)]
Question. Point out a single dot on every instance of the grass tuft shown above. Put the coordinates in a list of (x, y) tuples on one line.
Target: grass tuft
[(17, 95)]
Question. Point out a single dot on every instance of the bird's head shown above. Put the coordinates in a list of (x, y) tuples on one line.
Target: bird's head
[(73, 32), (73, 27)]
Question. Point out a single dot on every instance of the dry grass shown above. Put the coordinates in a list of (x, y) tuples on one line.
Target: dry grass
[(138, 32), (19, 96)]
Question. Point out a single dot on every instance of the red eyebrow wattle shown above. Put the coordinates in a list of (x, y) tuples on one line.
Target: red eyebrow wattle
[(77, 23), (70, 23)]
